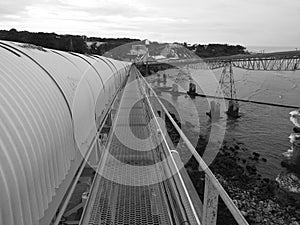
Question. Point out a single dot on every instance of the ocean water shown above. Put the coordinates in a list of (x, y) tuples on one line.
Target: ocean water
[(261, 128), (266, 49)]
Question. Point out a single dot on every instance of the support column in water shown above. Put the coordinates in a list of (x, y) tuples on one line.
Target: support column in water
[(215, 112), (233, 109), (192, 88)]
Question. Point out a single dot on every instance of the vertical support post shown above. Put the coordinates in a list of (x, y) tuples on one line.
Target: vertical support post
[(163, 116), (108, 121), (147, 67), (215, 112), (98, 151), (210, 204)]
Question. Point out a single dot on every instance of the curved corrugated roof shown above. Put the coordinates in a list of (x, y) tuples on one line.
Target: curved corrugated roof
[(48, 109)]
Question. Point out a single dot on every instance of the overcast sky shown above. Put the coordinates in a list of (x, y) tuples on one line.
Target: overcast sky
[(245, 22)]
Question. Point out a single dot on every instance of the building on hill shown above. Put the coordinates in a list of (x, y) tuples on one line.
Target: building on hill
[(138, 50)]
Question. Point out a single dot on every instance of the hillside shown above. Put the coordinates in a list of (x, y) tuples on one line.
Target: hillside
[(120, 48)]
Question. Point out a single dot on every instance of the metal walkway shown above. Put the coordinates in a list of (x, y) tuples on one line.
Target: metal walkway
[(131, 187), (141, 179)]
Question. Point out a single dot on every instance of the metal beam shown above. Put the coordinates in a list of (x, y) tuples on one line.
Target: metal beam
[(277, 61)]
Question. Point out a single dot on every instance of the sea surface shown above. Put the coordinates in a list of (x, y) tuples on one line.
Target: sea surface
[(267, 49), (261, 128)]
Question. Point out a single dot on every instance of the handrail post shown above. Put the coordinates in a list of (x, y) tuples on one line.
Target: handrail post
[(210, 204)]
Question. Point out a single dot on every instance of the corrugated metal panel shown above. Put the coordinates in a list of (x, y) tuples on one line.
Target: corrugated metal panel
[(94, 79), (84, 106), (63, 71), (113, 72), (35, 125), (38, 89), (25, 51)]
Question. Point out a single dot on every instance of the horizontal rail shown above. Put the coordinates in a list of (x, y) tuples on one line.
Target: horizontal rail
[(216, 184)]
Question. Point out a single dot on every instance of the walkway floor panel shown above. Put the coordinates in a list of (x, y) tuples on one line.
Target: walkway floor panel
[(128, 187)]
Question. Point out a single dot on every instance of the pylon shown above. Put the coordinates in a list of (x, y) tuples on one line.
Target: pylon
[(226, 82), (227, 86)]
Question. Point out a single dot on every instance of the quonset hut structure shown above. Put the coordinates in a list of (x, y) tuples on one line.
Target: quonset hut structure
[(51, 103)]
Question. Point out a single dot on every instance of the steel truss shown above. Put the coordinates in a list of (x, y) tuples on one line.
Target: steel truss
[(226, 82), (274, 62), (282, 61), (284, 64), (267, 64)]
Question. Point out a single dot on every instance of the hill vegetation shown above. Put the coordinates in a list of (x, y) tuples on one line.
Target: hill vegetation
[(47, 40), (215, 50), (99, 46)]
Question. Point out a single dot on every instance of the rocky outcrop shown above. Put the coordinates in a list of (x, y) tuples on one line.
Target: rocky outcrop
[(289, 182), (262, 201)]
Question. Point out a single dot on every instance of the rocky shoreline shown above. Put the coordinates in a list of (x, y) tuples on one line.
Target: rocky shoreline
[(261, 200)]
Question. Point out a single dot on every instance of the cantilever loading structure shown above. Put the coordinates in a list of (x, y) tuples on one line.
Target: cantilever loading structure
[(52, 111), (275, 61)]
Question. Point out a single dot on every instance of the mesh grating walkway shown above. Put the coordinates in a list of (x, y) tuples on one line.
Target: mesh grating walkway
[(129, 187)]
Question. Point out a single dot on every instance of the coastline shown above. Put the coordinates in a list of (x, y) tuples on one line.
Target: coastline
[(261, 200)]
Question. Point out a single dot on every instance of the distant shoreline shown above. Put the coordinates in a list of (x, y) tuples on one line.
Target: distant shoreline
[(267, 49)]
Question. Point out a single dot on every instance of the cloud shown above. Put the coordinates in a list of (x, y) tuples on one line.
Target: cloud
[(256, 22)]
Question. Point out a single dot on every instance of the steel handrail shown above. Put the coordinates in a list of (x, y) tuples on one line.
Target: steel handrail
[(227, 200), (173, 161)]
